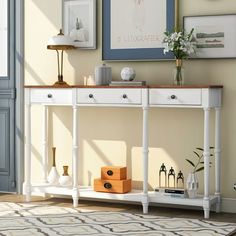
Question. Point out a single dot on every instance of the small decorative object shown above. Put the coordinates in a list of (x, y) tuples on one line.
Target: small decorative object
[(192, 185), (112, 186), (53, 176), (103, 75), (192, 180), (114, 172), (113, 180), (60, 43), (127, 83), (89, 80), (162, 176), (65, 179), (182, 45), (180, 180), (171, 178), (128, 74)]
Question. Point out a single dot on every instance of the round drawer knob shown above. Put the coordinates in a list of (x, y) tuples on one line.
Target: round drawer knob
[(125, 96), (90, 95), (173, 97), (107, 186), (110, 172), (49, 95)]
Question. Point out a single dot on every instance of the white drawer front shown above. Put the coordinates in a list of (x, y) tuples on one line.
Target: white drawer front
[(109, 96), (51, 96), (175, 97)]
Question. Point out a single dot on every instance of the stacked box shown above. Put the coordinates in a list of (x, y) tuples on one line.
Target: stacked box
[(113, 180)]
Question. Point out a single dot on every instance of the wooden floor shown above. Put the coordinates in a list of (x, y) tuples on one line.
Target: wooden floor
[(107, 206)]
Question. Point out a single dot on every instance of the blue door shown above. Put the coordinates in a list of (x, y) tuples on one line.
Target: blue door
[(7, 96)]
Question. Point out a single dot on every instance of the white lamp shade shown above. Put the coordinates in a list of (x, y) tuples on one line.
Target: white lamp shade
[(60, 40)]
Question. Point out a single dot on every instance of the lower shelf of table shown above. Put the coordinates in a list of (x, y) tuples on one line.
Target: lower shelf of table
[(133, 196)]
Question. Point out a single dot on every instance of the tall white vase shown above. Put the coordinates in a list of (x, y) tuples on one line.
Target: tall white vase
[(192, 185), (53, 176)]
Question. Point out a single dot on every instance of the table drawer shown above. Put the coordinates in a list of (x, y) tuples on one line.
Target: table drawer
[(109, 96), (51, 96), (175, 97)]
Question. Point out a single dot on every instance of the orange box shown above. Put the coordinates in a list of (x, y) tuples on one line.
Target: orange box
[(112, 186), (114, 172)]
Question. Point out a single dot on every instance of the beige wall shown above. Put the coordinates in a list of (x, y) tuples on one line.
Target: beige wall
[(110, 136)]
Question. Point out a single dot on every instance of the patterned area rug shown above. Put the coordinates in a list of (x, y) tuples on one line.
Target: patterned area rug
[(30, 220)]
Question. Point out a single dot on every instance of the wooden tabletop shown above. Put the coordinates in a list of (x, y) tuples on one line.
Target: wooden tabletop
[(107, 86)]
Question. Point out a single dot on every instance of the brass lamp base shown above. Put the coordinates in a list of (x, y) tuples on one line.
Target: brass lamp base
[(61, 82)]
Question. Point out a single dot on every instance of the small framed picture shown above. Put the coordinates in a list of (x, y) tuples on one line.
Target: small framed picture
[(79, 21), (215, 35)]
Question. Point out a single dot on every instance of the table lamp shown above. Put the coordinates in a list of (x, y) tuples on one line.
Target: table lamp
[(60, 43)]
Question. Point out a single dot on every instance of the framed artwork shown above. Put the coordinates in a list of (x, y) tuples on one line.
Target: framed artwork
[(134, 29), (79, 21), (215, 35)]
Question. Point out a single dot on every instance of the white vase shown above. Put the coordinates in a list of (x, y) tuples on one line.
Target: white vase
[(53, 176), (192, 185), (65, 179)]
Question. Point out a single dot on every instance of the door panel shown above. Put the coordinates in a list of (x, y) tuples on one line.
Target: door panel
[(7, 96), (3, 38), (4, 144)]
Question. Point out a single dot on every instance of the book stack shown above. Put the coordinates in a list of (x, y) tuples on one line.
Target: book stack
[(171, 192), (128, 83)]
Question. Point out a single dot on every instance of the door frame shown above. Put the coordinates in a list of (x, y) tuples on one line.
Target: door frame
[(19, 102)]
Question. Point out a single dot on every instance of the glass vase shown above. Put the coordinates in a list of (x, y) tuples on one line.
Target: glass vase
[(179, 73), (192, 185)]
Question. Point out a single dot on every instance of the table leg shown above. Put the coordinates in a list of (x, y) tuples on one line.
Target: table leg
[(75, 191), (217, 156), (145, 201), (206, 153)]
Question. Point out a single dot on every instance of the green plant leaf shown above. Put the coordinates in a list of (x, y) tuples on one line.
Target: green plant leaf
[(197, 154), (201, 149), (199, 169), (190, 162), (202, 162)]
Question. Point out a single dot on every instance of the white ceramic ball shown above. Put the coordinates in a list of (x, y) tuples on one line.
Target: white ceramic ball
[(127, 74)]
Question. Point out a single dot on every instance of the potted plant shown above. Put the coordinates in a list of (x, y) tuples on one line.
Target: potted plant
[(198, 165), (182, 45)]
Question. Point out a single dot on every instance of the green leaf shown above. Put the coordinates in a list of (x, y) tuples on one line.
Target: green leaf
[(190, 162), (197, 154), (199, 169), (201, 149), (202, 162)]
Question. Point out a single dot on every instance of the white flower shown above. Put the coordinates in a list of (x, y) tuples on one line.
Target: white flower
[(180, 43)]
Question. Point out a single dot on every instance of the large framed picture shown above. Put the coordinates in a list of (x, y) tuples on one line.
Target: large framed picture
[(215, 35), (79, 21), (134, 29)]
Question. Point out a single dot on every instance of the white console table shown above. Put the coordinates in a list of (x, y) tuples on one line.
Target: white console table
[(204, 97)]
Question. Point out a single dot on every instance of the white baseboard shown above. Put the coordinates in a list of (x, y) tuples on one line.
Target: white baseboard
[(228, 205)]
